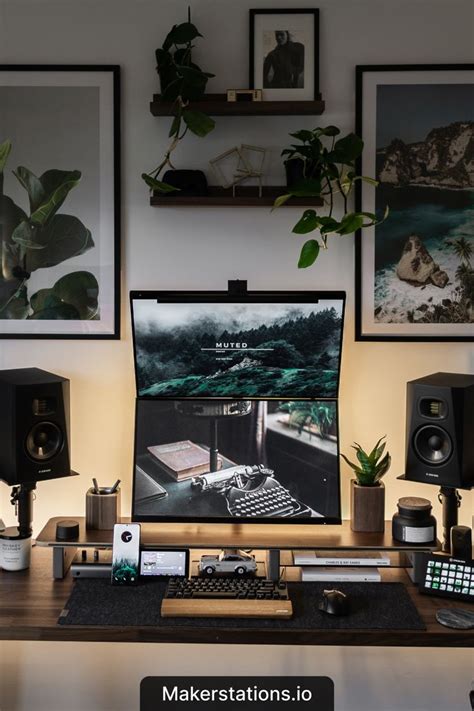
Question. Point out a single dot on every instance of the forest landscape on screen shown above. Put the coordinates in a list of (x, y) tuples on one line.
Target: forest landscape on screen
[(232, 350)]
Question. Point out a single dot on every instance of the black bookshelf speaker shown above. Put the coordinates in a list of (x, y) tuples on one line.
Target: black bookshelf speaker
[(34, 426), (440, 438)]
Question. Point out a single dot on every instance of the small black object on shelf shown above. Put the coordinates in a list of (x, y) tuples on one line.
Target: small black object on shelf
[(67, 530), (188, 183)]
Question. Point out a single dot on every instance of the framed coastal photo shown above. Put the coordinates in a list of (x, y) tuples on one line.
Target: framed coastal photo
[(415, 270), (284, 54), (60, 201)]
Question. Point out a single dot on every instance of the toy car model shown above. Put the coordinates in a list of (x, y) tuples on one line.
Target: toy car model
[(232, 562)]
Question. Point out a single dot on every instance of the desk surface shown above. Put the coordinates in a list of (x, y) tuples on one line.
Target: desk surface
[(31, 601)]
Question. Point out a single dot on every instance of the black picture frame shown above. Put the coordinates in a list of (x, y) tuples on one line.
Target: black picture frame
[(114, 332), (361, 333), (314, 13)]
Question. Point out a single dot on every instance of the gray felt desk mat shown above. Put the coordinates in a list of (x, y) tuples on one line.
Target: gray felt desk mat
[(374, 606)]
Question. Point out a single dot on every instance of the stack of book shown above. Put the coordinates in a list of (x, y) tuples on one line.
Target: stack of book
[(182, 460), (340, 566)]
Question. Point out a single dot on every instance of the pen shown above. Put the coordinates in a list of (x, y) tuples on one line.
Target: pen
[(96, 486), (114, 488)]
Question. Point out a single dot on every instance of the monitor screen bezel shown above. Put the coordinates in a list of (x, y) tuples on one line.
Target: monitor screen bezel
[(315, 521), (263, 297)]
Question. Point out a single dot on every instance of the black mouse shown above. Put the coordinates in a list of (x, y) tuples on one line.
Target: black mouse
[(335, 602)]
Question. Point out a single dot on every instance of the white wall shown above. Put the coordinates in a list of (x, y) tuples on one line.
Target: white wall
[(196, 249)]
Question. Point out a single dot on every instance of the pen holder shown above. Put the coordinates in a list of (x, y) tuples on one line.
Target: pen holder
[(102, 510)]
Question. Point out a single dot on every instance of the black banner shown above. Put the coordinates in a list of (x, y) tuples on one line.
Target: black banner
[(242, 693)]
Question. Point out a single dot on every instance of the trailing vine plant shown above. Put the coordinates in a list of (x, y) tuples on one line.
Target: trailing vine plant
[(182, 82), (328, 171)]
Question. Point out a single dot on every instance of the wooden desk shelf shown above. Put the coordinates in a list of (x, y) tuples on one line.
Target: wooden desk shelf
[(217, 105), (245, 196)]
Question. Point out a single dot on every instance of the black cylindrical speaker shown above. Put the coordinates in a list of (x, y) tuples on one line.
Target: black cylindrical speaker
[(439, 438), (34, 426)]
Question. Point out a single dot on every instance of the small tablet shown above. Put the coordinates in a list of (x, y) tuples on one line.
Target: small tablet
[(164, 563)]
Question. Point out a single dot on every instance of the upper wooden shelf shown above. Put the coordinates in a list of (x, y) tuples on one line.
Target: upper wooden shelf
[(217, 105)]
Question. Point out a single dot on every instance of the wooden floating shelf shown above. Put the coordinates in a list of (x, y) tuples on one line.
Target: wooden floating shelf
[(246, 196), (217, 105)]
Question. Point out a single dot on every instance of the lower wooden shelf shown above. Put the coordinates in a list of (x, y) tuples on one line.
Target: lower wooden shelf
[(245, 196)]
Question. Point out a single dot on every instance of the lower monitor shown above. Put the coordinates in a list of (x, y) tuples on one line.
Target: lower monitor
[(236, 461)]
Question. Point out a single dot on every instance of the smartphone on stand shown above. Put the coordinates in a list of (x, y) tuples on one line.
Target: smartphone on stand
[(126, 554)]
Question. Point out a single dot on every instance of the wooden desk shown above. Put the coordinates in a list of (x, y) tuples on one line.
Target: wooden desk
[(31, 601)]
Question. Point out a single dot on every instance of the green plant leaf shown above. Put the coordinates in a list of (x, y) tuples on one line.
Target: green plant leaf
[(62, 238), (5, 149), (163, 58), (308, 222), (8, 290), (10, 217), (56, 184), (351, 222), (173, 88), (80, 290), (61, 312), (328, 225), (157, 185), (32, 185), (44, 299), (280, 200), (330, 131), (347, 149), (18, 306), (303, 135), (198, 122), (309, 254), (181, 34), (27, 235)]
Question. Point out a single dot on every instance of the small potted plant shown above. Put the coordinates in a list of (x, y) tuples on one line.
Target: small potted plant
[(367, 490)]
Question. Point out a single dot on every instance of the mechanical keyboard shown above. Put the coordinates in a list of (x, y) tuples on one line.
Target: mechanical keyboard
[(226, 597)]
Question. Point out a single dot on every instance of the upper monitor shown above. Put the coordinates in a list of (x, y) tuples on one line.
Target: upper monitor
[(257, 345)]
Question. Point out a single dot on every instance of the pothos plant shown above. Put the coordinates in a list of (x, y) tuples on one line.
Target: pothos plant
[(42, 238), (328, 172), (182, 82)]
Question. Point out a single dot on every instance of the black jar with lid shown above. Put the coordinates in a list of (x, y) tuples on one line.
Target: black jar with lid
[(414, 523)]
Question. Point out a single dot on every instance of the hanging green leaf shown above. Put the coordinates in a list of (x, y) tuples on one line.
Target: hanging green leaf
[(280, 200), (309, 254), (308, 222), (198, 122), (158, 185), (350, 223)]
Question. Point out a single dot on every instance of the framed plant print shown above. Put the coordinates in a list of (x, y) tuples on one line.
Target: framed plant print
[(284, 54), (415, 270), (60, 201)]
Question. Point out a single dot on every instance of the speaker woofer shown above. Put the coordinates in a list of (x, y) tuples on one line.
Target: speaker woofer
[(432, 444), (44, 441)]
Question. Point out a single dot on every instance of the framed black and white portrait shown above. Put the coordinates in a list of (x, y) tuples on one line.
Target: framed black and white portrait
[(60, 201), (284, 54), (415, 270)]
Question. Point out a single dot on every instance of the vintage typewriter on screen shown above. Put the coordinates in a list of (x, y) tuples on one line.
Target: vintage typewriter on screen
[(251, 492)]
